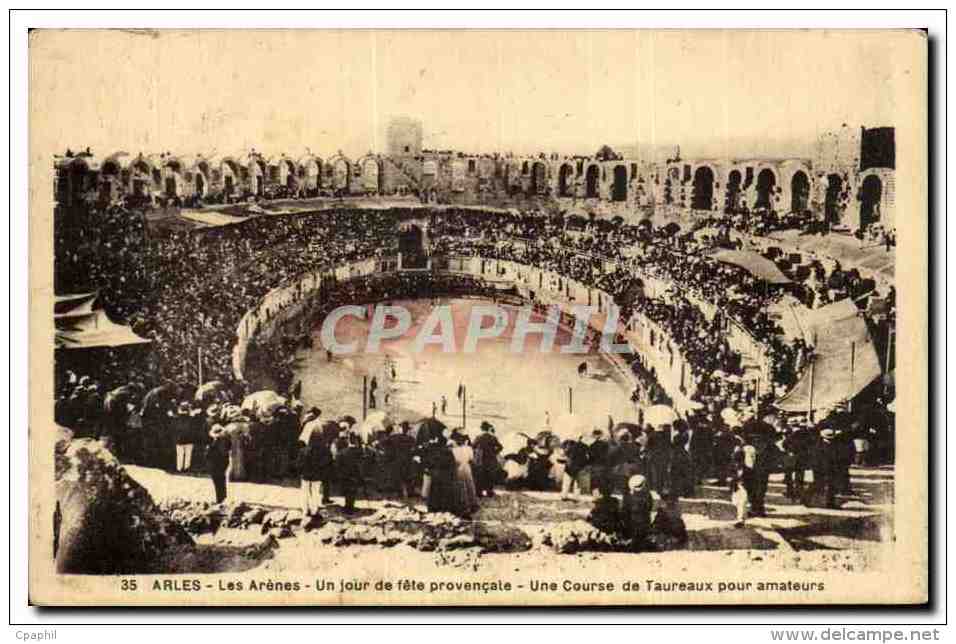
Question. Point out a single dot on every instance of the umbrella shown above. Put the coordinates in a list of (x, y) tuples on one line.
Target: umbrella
[(376, 421), (210, 392), (513, 443), (160, 396), (427, 429), (571, 426), (120, 396), (658, 415), (632, 428), (263, 403)]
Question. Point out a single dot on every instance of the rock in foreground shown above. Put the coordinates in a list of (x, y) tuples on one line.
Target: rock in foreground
[(106, 523)]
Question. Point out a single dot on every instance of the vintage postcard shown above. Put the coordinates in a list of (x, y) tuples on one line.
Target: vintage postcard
[(433, 318)]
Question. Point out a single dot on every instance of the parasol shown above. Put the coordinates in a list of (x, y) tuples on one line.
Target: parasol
[(631, 428), (119, 397), (571, 426), (376, 421), (513, 443), (263, 403), (659, 415), (211, 392), (427, 429), (160, 397)]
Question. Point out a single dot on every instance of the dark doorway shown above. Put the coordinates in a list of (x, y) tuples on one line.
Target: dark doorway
[(591, 181), (539, 178), (230, 184), (703, 189), (870, 194), (411, 245), (564, 181), (200, 185), (258, 184), (766, 183), (799, 192), (170, 186), (831, 204), (733, 191), (619, 191)]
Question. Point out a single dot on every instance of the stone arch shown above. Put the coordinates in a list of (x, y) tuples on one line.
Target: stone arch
[(76, 178), (735, 180), (287, 176), (310, 172), (833, 201), (114, 174), (619, 185), (871, 197), (703, 188), (173, 169), (799, 191), (258, 172), (340, 172), (539, 178), (486, 168), (371, 173), (141, 183), (592, 181), (231, 171), (766, 186), (565, 179)]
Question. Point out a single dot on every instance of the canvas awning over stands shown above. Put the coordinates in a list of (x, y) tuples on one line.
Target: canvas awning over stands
[(80, 325), (754, 263), (844, 362)]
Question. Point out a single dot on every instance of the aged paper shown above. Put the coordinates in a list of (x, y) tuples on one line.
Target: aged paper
[(478, 317)]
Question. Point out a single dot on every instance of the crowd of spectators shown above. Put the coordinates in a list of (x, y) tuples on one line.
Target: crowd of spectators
[(187, 291)]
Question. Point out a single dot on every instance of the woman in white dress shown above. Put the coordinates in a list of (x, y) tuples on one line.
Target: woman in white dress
[(466, 497)]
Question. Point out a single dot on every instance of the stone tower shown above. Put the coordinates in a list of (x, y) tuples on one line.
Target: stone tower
[(404, 137)]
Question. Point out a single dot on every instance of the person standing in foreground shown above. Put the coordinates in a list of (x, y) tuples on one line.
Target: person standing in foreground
[(182, 427), (217, 459), (400, 449), (349, 462), (466, 498), (486, 450), (576, 463), (315, 461), (826, 462), (636, 508)]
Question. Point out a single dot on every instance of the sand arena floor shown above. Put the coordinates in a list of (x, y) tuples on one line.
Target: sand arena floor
[(514, 391)]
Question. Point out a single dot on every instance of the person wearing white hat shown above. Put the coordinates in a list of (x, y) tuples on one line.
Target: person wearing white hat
[(636, 508)]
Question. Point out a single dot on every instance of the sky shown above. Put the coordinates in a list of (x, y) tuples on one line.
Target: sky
[(714, 93)]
